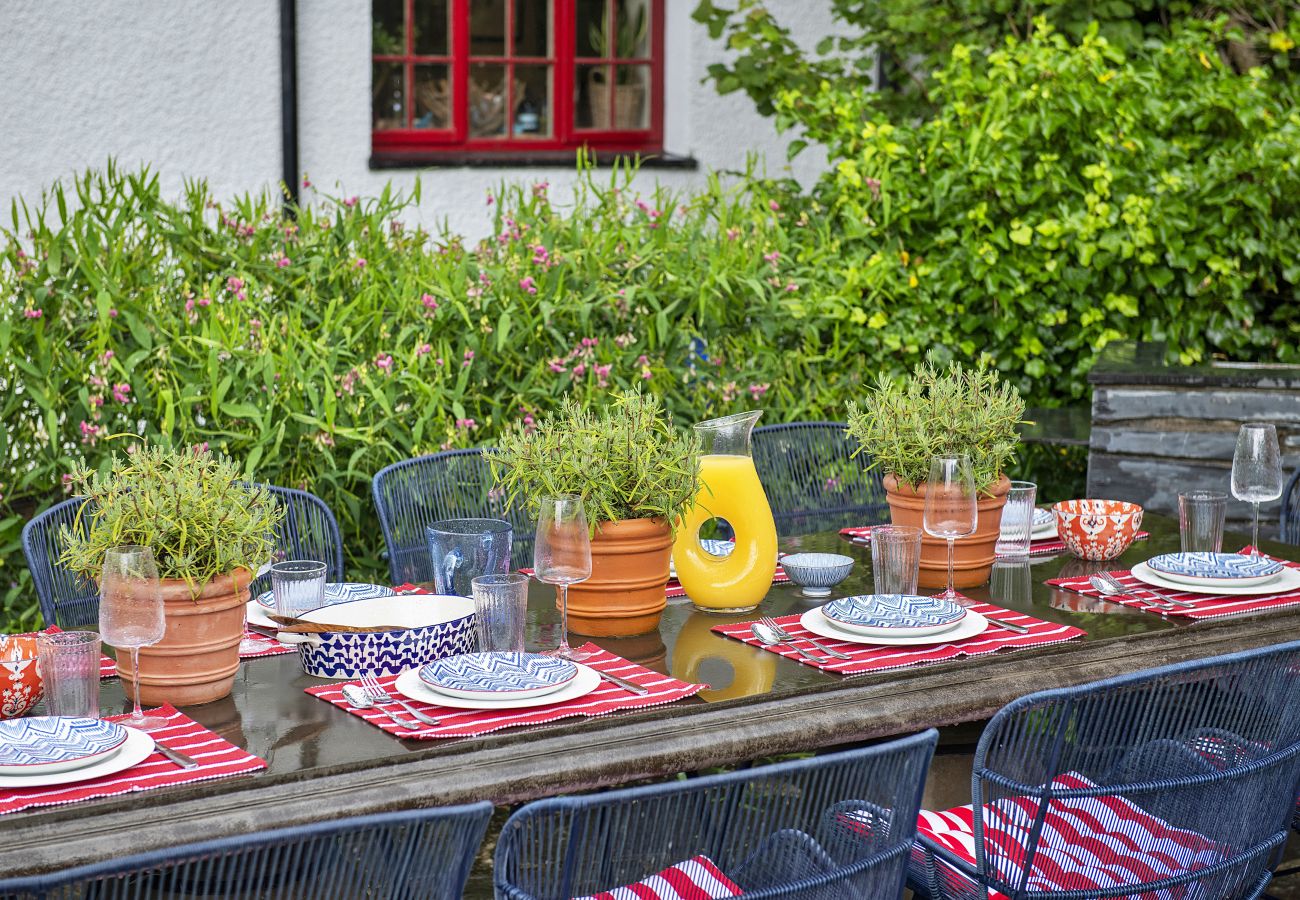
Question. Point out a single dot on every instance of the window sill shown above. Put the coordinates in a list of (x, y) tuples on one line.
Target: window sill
[(393, 159)]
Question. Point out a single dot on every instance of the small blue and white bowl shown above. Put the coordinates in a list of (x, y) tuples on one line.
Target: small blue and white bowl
[(428, 627), (817, 573)]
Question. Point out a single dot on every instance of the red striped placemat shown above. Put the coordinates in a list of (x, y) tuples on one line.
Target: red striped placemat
[(1207, 606), (276, 648), (606, 699), (1040, 547), (875, 658), (217, 758)]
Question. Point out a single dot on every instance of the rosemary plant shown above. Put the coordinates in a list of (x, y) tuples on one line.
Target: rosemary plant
[(189, 507), (626, 460), (971, 411)]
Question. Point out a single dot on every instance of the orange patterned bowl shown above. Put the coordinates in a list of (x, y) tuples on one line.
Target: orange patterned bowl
[(20, 679), (1097, 529)]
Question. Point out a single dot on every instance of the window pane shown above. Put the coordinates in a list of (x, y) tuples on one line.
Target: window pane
[(432, 97), (591, 97), (487, 28), (388, 104), (532, 101), (631, 97), (431, 27), (532, 31), (633, 19), (387, 35), (487, 100), (589, 17)]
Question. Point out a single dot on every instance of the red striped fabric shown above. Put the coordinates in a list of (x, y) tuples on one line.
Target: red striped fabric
[(871, 658), (604, 700), (695, 879), (217, 757), (1207, 606), (1040, 547)]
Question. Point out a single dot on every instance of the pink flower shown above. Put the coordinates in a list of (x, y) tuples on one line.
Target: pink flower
[(527, 284), (579, 370), (557, 366), (33, 313), (733, 234), (189, 305), (469, 358), (89, 433), (112, 313), (873, 185), (306, 182), (106, 356), (791, 287), (466, 424), (541, 256), (772, 257), (429, 301), (539, 189), (350, 201), (234, 284), (438, 361), (423, 350), (360, 263), (201, 448), (255, 325), (758, 390), (283, 262), (490, 199), (773, 205), (384, 363), (204, 301), (96, 401), (602, 375), (484, 279)]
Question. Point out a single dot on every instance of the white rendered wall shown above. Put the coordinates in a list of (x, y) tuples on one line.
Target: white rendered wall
[(192, 87)]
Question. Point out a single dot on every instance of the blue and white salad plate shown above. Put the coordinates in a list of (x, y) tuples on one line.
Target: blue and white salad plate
[(135, 749), (894, 615), (1216, 569), (47, 744), (408, 684), (336, 592), (815, 621), (499, 675)]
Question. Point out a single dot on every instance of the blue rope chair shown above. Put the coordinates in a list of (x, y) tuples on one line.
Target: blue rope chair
[(308, 530), (1178, 783), (68, 600), (410, 855), (1291, 510), (455, 484), (811, 483), (834, 826)]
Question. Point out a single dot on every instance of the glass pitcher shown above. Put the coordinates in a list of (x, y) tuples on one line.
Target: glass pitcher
[(729, 490)]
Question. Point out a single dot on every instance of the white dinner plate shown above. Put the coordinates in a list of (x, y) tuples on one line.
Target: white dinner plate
[(816, 622), (409, 685), (1044, 532), (134, 750), (39, 745), (1197, 563), (1287, 580)]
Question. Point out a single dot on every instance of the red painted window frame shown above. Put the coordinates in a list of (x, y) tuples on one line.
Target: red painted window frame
[(564, 136)]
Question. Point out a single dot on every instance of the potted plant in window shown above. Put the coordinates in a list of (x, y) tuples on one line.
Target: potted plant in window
[(958, 411), (209, 532), (628, 35), (636, 476)]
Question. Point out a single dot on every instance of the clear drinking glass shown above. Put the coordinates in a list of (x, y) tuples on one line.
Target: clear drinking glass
[(1017, 526), (298, 585), (1010, 583), (131, 615), (895, 558), (950, 510), (463, 549), (69, 664), (1257, 470), (500, 609), (562, 556), (1200, 520)]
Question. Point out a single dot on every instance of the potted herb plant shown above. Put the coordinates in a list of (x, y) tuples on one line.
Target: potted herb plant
[(625, 37), (942, 413), (209, 532), (636, 475)]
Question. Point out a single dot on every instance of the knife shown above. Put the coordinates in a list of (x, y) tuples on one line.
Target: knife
[(176, 756), (625, 685)]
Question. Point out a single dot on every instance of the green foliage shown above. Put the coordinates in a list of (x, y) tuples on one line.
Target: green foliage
[(187, 506), (903, 424), (626, 460)]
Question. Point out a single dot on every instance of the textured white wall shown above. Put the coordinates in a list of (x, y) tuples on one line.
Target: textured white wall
[(193, 88)]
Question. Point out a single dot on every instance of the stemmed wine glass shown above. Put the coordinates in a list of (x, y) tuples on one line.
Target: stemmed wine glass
[(1256, 471), (562, 556), (131, 614), (950, 510)]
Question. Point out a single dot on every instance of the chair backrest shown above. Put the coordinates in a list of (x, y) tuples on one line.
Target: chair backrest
[(410, 855), (456, 484), (67, 599), (1291, 510), (839, 825), (1198, 763), (812, 483), (307, 531)]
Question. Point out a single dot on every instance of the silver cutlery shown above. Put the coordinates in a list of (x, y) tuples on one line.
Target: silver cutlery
[(1009, 626), (176, 756), (1154, 593), (357, 699), (621, 682), (787, 636), (1111, 588), (766, 637), (376, 693)]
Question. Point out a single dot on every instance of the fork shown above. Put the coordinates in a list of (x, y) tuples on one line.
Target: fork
[(1162, 596), (787, 636), (1118, 587), (370, 684)]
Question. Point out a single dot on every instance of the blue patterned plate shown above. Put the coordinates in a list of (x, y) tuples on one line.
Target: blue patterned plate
[(339, 592), (1044, 517), (896, 615), (1216, 569), (46, 744), (499, 675)]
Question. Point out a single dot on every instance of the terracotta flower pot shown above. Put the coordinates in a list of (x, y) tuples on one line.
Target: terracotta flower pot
[(629, 570), (972, 556), (198, 657)]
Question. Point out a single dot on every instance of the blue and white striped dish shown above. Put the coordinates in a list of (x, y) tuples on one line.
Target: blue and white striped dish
[(1043, 517), (896, 615), (498, 675), (1220, 568), (46, 744), (817, 573), (337, 592)]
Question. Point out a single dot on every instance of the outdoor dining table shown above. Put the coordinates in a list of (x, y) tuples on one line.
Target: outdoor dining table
[(326, 763)]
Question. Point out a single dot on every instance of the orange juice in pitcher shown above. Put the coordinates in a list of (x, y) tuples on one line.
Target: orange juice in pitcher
[(729, 490)]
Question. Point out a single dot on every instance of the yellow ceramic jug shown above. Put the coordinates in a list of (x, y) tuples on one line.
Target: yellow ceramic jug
[(730, 490)]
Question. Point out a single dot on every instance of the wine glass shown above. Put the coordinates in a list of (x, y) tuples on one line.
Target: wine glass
[(950, 510), (562, 556), (1256, 471), (131, 614)]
